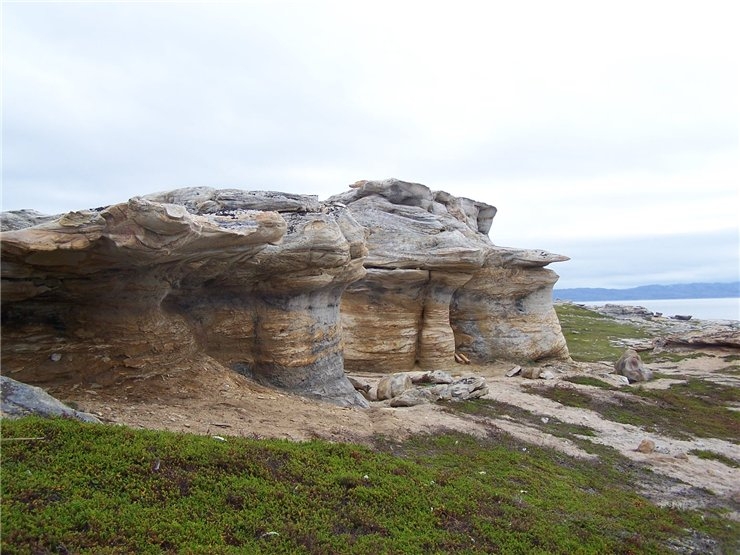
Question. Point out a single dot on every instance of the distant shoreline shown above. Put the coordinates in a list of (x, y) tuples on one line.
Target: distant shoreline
[(681, 291), (727, 308)]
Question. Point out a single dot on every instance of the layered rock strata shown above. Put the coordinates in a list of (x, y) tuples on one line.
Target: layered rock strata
[(506, 310), (153, 286), (282, 288), (435, 284)]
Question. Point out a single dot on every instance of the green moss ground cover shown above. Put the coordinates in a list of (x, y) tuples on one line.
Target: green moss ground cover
[(592, 337), (89, 488)]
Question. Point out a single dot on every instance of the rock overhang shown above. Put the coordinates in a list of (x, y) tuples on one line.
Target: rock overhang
[(258, 281)]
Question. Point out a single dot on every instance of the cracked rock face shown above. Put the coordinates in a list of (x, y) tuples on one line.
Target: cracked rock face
[(282, 288)]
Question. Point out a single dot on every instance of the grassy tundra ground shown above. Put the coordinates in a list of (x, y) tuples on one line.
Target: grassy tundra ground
[(69, 487)]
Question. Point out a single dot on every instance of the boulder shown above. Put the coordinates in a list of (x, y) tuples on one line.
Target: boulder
[(362, 387), (514, 371), (413, 397), (435, 377), (18, 399), (630, 366), (646, 446), (531, 372), (392, 386), (469, 387)]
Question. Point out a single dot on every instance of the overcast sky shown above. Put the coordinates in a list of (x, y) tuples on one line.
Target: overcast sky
[(605, 131)]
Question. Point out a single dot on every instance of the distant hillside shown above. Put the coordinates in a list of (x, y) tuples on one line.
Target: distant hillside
[(647, 292)]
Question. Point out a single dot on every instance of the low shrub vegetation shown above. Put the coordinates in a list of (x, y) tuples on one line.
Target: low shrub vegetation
[(87, 488)]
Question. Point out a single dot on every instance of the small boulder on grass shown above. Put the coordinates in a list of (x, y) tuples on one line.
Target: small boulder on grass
[(631, 367)]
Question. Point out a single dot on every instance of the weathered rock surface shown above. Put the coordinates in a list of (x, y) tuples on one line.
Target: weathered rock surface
[(149, 287), (393, 386), (407, 394), (469, 387), (413, 397), (710, 336), (281, 288), (18, 399), (630, 366), (435, 377), (435, 284), (506, 311), (646, 446)]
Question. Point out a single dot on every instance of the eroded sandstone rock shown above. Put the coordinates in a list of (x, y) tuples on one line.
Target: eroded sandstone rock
[(282, 288), (435, 284), (148, 287), (393, 385), (506, 311)]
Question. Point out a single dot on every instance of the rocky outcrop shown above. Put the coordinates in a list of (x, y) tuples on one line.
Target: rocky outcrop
[(460, 389), (284, 289), (18, 399), (435, 284), (151, 287), (506, 312)]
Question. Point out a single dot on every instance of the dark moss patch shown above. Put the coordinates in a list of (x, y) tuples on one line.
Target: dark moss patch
[(694, 408), (670, 356), (493, 409)]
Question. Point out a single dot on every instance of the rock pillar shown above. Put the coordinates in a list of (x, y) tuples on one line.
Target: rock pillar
[(436, 346)]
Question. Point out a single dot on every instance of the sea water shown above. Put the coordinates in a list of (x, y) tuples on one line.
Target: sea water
[(702, 309)]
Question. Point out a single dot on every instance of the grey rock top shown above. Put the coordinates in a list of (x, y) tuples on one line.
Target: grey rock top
[(18, 399)]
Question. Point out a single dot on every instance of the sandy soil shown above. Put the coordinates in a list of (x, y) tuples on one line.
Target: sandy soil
[(219, 402)]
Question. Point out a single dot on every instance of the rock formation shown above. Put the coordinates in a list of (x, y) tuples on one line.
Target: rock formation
[(163, 283), (281, 288), (435, 284)]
